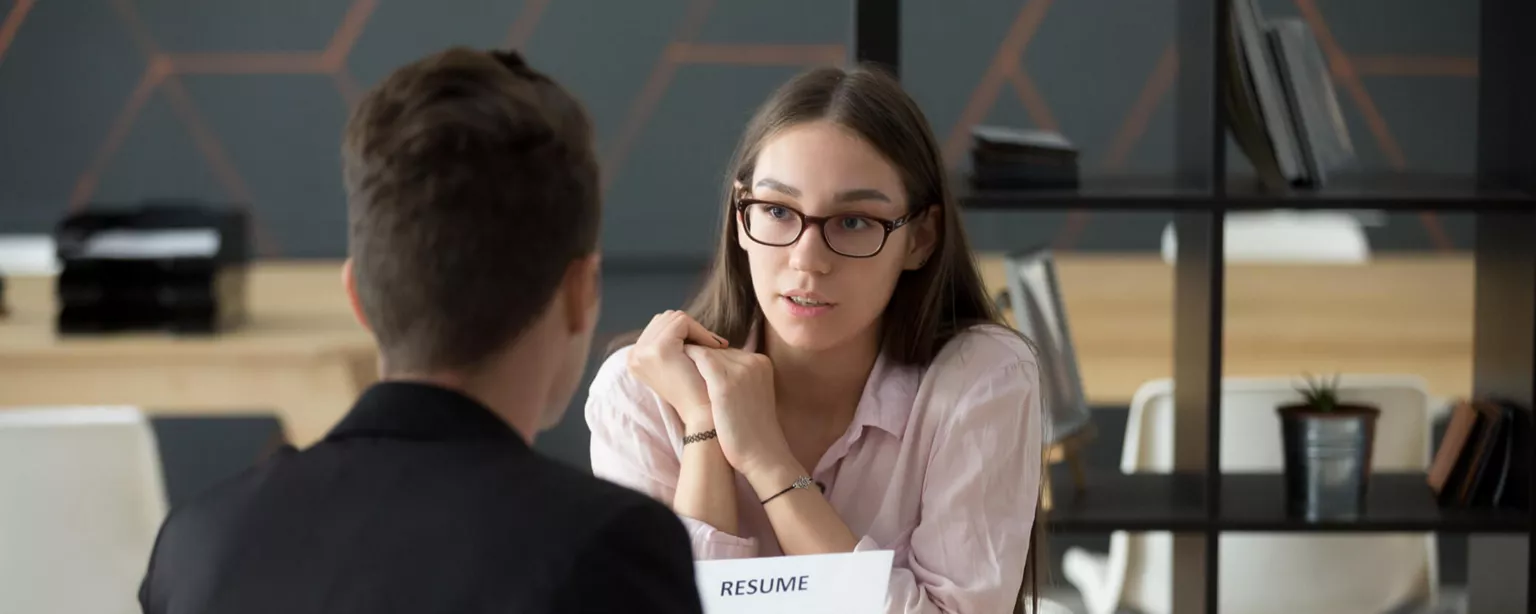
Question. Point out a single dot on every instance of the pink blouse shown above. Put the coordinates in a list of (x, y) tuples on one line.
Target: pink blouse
[(940, 465)]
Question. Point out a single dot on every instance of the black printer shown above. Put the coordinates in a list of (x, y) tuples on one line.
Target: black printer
[(162, 265)]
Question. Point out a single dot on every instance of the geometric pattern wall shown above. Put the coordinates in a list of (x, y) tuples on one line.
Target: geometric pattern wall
[(243, 102)]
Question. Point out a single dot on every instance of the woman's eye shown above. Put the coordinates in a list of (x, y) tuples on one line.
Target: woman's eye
[(778, 213), (853, 223)]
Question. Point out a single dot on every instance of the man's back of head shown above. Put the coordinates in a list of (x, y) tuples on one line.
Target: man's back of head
[(473, 206), (472, 194)]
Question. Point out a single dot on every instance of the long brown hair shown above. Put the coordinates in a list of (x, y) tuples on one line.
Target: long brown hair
[(930, 305)]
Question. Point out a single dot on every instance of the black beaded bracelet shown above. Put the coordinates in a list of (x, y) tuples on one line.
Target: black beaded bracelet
[(803, 482), (698, 437)]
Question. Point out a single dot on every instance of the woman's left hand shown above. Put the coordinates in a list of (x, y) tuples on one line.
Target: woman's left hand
[(741, 396)]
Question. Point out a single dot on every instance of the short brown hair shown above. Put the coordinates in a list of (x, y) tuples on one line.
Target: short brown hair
[(471, 186)]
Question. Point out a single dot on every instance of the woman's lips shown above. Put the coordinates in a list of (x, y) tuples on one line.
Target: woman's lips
[(807, 306)]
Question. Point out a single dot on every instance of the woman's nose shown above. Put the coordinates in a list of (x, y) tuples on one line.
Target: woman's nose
[(810, 254)]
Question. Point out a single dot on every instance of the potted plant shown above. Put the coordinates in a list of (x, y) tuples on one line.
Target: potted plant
[(1327, 445)]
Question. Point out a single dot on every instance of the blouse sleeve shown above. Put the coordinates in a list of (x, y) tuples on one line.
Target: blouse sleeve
[(633, 446), (978, 503)]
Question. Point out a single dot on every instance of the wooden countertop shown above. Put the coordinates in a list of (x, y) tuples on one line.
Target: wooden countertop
[(1397, 314), (297, 310)]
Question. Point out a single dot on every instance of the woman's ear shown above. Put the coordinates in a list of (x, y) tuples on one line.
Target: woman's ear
[(925, 238), (741, 229), (738, 191)]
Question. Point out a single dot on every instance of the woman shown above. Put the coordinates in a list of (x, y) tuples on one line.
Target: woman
[(841, 382)]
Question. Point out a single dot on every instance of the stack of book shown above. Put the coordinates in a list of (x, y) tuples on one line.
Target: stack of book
[(1281, 105), (168, 266), (1019, 159), (1484, 458)]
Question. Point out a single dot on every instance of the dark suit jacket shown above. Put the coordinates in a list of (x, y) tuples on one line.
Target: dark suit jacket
[(420, 501)]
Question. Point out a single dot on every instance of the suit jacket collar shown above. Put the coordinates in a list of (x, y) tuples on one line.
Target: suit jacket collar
[(421, 412)]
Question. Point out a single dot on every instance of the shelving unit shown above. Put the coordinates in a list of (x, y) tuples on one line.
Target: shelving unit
[(1199, 502), (1382, 192)]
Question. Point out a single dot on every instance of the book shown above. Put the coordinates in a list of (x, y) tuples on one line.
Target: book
[(1457, 431), (1484, 457), (1322, 135), (1263, 104), (1015, 158)]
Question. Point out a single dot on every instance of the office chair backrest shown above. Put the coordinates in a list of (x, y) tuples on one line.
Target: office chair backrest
[(82, 501), (1290, 573)]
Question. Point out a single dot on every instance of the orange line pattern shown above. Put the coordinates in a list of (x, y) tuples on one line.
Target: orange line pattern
[(1033, 100), (161, 73), (1343, 70), (1346, 69), (85, 185), (522, 29), (163, 70), (681, 51), (1342, 67), (12, 24), (346, 85), (1135, 123), (754, 55), (1006, 65), (1414, 66)]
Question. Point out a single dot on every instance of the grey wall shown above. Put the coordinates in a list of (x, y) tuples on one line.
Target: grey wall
[(252, 101), (254, 109)]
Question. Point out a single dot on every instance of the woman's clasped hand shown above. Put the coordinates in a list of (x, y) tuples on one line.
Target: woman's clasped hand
[(659, 361), (713, 387)]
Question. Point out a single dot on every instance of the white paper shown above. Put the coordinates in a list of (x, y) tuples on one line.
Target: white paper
[(854, 583), (28, 255), (168, 243)]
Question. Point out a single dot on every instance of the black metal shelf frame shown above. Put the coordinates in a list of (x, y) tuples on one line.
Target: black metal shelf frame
[(1200, 194)]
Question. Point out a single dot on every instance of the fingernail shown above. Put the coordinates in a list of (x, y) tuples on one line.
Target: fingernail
[(722, 341)]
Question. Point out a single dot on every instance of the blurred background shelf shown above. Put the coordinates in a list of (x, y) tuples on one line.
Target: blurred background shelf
[(1122, 193), (1253, 502), (1384, 192)]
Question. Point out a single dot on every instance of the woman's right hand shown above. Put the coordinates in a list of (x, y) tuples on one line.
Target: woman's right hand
[(657, 359)]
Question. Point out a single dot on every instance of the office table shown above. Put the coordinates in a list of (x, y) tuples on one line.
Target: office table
[(304, 357), (1409, 314)]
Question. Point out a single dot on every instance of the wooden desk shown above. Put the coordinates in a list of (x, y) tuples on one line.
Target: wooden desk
[(304, 356)]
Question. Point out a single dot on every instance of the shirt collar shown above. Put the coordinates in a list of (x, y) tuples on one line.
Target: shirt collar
[(422, 412), (888, 393)]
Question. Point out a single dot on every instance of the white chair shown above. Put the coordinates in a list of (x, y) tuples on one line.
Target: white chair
[(1314, 237), (1263, 573), (81, 500), (1046, 607)]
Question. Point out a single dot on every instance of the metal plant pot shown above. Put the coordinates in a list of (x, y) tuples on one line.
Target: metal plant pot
[(1327, 459)]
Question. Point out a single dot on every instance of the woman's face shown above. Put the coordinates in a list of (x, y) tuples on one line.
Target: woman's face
[(813, 297)]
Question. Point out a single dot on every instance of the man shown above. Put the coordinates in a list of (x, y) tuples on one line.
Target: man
[(473, 209)]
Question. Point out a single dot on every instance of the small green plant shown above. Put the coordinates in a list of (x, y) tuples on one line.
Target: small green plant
[(1321, 394)]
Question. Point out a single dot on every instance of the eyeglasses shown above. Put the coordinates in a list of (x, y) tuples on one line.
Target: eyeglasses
[(854, 236)]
